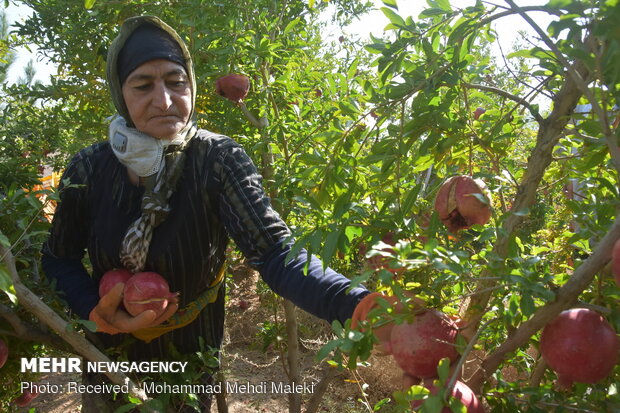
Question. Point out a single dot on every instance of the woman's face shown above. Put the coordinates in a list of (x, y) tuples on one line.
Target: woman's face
[(158, 96)]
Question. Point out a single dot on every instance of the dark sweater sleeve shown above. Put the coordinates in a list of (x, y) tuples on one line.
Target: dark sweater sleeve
[(323, 293), (65, 246), (259, 232), (73, 283)]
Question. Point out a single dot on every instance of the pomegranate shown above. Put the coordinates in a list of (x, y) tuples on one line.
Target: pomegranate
[(25, 398), (458, 206), (478, 112), (146, 291), (4, 352), (615, 261), (111, 278), (233, 87), (580, 346), (418, 346), (460, 391)]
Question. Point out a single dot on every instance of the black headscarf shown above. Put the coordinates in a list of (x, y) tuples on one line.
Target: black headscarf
[(147, 43)]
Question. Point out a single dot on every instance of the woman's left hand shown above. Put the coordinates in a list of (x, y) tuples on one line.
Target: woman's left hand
[(112, 319)]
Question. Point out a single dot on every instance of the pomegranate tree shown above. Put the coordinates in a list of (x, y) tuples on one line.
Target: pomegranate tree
[(418, 346), (146, 291), (4, 352), (233, 87), (460, 205), (580, 346), (111, 278), (460, 391)]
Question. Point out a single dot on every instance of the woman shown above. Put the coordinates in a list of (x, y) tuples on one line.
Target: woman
[(162, 196)]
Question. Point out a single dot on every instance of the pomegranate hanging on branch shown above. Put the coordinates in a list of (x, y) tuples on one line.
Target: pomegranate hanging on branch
[(233, 87), (463, 201), (580, 346)]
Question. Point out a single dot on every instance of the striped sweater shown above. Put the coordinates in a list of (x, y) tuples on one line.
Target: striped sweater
[(219, 196)]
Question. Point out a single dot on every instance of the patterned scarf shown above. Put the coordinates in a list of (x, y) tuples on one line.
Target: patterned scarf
[(158, 189)]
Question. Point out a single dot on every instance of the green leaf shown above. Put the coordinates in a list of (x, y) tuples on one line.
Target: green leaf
[(432, 12), (443, 4), (457, 406), (6, 284), (353, 231), (443, 369), (90, 325), (348, 108), (88, 4), (312, 159), (527, 305), (523, 212), (393, 17), (353, 69), (291, 25), (4, 240), (480, 197), (6, 281), (596, 159), (329, 248), (410, 199), (327, 349), (391, 3), (433, 404)]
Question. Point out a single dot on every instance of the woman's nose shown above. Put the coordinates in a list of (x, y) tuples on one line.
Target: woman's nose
[(162, 98)]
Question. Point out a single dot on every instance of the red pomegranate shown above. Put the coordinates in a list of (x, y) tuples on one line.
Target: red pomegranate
[(458, 205), (4, 352), (233, 87), (418, 346), (25, 398), (460, 391), (146, 291), (615, 261), (111, 278), (478, 112), (580, 346)]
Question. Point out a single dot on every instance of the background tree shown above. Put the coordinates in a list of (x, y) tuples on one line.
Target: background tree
[(6, 55)]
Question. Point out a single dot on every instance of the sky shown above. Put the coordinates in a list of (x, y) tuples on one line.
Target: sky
[(373, 23), (43, 70)]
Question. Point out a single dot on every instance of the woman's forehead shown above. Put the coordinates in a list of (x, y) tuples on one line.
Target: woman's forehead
[(157, 68)]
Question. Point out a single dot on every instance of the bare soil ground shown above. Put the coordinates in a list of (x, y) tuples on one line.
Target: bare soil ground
[(244, 362)]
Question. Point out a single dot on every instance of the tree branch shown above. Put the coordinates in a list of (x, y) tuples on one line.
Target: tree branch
[(313, 404), (565, 298), (580, 83), (260, 124), (549, 133), (292, 339), (25, 331), (509, 12), (507, 95)]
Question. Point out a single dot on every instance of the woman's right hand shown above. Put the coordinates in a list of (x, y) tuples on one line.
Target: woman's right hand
[(111, 319)]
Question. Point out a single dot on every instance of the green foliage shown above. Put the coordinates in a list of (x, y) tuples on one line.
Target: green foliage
[(22, 228)]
